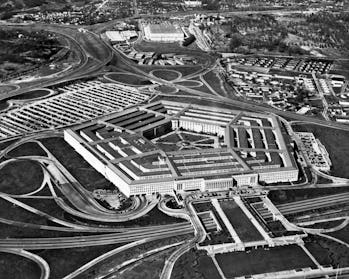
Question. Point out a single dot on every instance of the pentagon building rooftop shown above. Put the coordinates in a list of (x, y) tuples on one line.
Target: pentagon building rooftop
[(166, 146)]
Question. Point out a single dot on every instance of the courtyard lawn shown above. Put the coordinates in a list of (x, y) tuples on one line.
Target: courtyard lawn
[(240, 222), (263, 261)]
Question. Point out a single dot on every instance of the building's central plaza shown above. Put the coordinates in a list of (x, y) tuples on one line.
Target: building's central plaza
[(168, 146)]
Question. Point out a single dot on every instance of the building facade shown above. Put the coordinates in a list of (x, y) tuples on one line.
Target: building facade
[(166, 146)]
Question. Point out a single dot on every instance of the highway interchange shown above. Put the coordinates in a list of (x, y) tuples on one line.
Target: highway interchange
[(94, 54)]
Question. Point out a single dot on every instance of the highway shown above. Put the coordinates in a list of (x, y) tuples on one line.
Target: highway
[(308, 204), (91, 240), (105, 256), (250, 105), (44, 267), (85, 205), (199, 236), (93, 54), (92, 229), (72, 227)]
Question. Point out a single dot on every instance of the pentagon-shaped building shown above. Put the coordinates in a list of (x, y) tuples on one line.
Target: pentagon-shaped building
[(165, 146)]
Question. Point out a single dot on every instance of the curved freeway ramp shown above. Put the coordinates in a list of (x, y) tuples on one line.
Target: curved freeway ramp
[(44, 267)]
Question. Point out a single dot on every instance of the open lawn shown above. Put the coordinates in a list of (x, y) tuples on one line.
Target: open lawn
[(327, 252), (76, 165), (190, 83), (7, 88), (4, 105), (6, 143), (10, 231), (27, 149), (49, 206), (166, 74), (149, 268), (286, 196), (20, 177), (104, 269), (184, 70), (33, 94), (17, 267), (167, 147), (336, 143), (342, 234), (241, 224), (166, 89), (262, 261), (325, 225), (128, 78), (195, 265), (64, 261), (172, 137), (192, 137), (212, 79), (15, 213)]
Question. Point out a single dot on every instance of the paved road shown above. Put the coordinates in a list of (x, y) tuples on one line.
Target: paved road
[(91, 240), (308, 204), (44, 267), (93, 53), (200, 235)]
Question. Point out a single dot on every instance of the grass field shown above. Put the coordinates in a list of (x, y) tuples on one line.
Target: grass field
[(48, 206), (20, 177), (26, 232), (149, 268), (336, 143), (342, 234), (190, 83), (4, 105), (33, 94), (184, 70), (7, 88), (27, 149), (102, 270), (262, 261), (64, 261), (15, 213), (195, 265), (166, 74), (285, 196), (212, 79), (76, 165), (166, 89), (241, 224), (17, 267), (327, 252), (325, 225), (129, 79), (5, 144)]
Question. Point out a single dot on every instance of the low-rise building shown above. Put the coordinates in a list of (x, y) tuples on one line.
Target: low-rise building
[(167, 146), (163, 32)]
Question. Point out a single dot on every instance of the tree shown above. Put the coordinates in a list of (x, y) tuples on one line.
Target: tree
[(235, 41)]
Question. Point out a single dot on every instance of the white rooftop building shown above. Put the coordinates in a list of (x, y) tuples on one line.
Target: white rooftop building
[(193, 3), (164, 32)]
